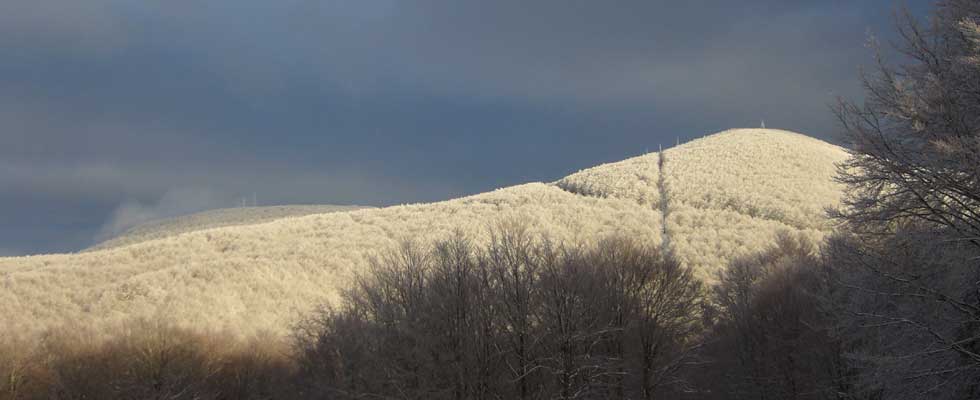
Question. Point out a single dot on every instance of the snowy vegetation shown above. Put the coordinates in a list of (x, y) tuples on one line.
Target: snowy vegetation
[(585, 288), (727, 194), (708, 239), (257, 277), (634, 178), (761, 173), (263, 277), (263, 271), (731, 193)]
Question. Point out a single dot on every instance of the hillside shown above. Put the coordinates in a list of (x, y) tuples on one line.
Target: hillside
[(728, 193), (213, 219), (262, 277), (723, 195)]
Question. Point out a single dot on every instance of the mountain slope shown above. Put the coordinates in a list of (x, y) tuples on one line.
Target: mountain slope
[(762, 173), (730, 193), (724, 195), (263, 277)]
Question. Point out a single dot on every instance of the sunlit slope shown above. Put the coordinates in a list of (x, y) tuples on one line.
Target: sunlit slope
[(263, 277), (723, 195), (726, 194), (214, 219), (731, 192), (762, 173)]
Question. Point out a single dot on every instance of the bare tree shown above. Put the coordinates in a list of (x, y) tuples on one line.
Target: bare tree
[(653, 303), (574, 324), (520, 318), (911, 269), (916, 140), (909, 310), (512, 261), (668, 325), (774, 337)]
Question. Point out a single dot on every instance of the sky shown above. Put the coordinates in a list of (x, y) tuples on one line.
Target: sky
[(114, 112)]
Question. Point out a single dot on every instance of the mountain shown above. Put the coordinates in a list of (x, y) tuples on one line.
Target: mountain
[(707, 200)]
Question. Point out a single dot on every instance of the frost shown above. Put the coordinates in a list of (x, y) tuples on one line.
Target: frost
[(728, 194)]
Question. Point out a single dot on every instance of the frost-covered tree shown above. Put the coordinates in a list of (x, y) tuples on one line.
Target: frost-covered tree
[(911, 270), (916, 139)]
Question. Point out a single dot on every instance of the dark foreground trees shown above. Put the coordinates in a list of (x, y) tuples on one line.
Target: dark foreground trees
[(908, 309), (774, 336), (520, 318), (144, 360), (911, 268)]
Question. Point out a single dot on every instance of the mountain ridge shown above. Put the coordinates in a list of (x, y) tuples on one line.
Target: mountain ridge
[(263, 277)]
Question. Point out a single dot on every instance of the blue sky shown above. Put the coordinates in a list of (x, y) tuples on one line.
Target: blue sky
[(115, 111)]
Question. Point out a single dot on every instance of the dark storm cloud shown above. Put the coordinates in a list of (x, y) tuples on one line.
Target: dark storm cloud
[(114, 108)]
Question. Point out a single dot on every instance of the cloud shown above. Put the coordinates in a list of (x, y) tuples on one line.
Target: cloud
[(275, 183), (137, 193), (173, 203), (88, 25), (725, 59), (545, 51), (110, 106), (559, 51)]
